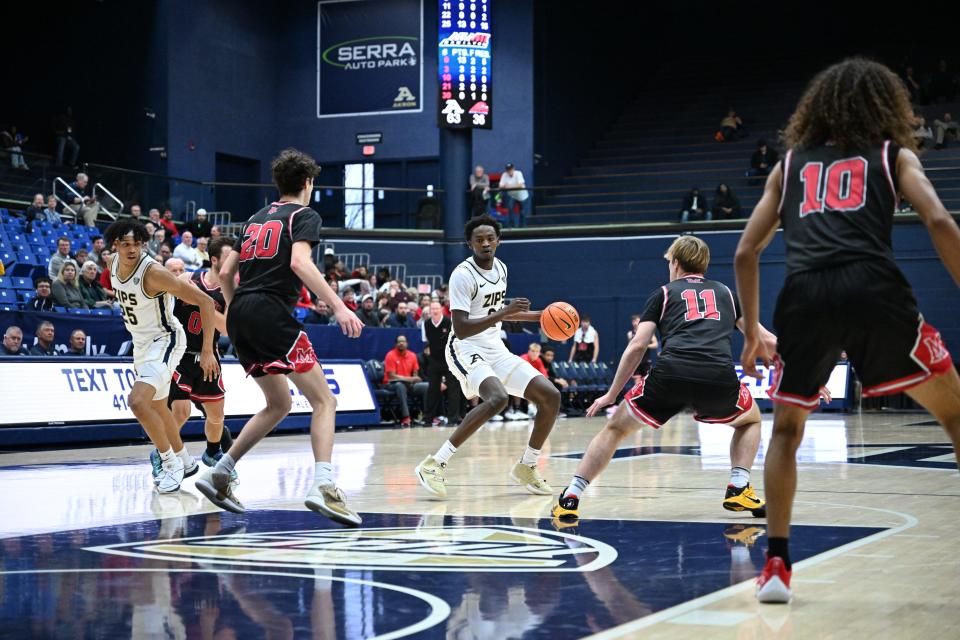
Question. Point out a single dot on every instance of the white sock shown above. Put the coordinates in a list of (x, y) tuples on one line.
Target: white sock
[(167, 456), (183, 455), (225, 464), (323, 473), (739, 477), (444, 453), (576, 487), (530, 456)]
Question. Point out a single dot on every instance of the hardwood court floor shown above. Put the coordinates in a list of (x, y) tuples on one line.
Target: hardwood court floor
[(654, 556)]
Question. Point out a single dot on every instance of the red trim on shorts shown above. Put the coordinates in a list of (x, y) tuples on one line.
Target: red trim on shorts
[(744, 404), (782, 397), (928, 352), (207, 398), (182, 387), (640, 414), (299, 359)]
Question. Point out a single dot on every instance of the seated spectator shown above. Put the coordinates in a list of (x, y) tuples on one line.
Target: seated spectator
[(397, 294), (202, 251), (943, 84), (199, 226), (304, 301), (479, 191), (400, 374), (50, 213), (586, 343), (153, 247), (34, 212), (102, 259), (383, 275), (913, 86), (165, 253), (13, 342), (90, 288), (45, 335), (725, 204), (135, 212), (64, 130), (513, 189), (44, 299), (361, 272), (340, 270), (81, 255), (77, 345), (762, 161), (186, 252), (154, 216), (383, 306), (401, 318), (13, 142), (85, 202), (214, 232), (175, 266), (923, 134), (547, 356), (167, 221), (533, 357), (695, 207), (66, 288), (57, 259), (320, 314), (368, 315), (423, 307), (350, 299), (731, 127), (942, 127)]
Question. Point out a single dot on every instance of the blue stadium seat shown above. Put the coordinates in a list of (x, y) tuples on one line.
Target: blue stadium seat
[(300, 313), (8, 297), (23, 283), (7, 307), (79, 312), (101, 311), (26, 296), (6, 283), (60, 309)]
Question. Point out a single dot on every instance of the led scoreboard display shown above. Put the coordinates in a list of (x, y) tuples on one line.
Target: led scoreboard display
[(464, 65)]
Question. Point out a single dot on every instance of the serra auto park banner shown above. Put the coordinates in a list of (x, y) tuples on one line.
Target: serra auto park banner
[(369, 57)]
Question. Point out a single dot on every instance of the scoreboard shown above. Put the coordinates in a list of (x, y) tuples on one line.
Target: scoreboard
[(464, 65)]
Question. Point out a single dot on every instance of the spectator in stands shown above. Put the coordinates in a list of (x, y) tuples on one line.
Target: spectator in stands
[(175, 266), (913, 86), (479, 191), (942, 127), (202, 251), (923, 134), (135, 212), (401, 318), (533, 357), (383, 306), (400, 374), (186, 252), (943, 84), (51, 211), (349, 297), (63, 130), (367, 313), (763, 160), (165, 253), (57, 259), (44, 299), (304, 301), (320, 314), (170, 225), (423, 308), (90, 288), (200, 227), (105, 275), (97, 244), (80, 255), (383, 276), (66, 288), (85, 202), (77, 346), (725, 203), (102, 260), (214, 232), (153, 247), (732, 127), (13, 142), (34, 212), (360, 272), (154, 216), (695, 207), (547, 356), (397, 294), (513, 188), (586, 343), (45, 335), (13, 342)]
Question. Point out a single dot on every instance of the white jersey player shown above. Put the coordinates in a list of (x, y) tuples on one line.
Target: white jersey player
[(145, 293), (485, 367)]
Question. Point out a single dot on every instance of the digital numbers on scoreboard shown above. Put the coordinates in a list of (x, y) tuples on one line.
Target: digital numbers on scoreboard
[(464, 64)]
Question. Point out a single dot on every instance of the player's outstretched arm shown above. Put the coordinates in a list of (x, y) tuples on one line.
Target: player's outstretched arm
[(221, 323), (301, 262), (916, 188), (464, 326), (228, 275), (156, 280), (629, 362), (746, 263)]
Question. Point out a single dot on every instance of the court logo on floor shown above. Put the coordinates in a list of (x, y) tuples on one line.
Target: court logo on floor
[(454, 548)]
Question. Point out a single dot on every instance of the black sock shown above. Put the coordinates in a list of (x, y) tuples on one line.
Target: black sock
[(778, 547), (213, 448), (226, 440)]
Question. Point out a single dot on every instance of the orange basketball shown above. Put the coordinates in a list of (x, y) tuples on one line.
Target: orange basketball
[(559, 321)]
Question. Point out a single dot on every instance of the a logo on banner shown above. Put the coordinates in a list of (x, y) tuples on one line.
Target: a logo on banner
[(455, 548), (373, 53), (405, 99)]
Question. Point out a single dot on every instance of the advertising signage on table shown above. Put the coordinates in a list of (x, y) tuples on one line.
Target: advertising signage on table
[(465, 63), (369, 57)]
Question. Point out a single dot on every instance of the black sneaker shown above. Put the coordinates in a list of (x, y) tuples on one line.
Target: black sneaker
[(567, 508)]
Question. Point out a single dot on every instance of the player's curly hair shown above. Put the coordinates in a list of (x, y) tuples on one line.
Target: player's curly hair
[(125, 226), (291, 169), (480, 221), (856, 104)]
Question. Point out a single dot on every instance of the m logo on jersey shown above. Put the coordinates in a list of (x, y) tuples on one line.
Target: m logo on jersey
[(938, 352), (458, 548)]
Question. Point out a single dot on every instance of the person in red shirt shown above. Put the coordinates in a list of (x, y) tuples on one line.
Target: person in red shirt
[(401, 375), (304, 300), (170, 225), (350, 299), (516, 411)]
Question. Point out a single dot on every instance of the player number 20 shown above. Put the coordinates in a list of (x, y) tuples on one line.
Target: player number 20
[(261, 240)]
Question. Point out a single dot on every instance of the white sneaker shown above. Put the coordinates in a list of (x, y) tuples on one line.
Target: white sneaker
[(170, 476), (515, 415), (532, 410), (496, 418), (328, 500), (218, 488)]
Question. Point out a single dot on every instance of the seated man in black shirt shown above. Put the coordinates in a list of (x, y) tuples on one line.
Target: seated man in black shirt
[(78, 343), (45, 335), (367, 313), (44, 300), (13, 342)]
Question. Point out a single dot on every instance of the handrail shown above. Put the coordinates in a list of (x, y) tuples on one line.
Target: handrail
[(112, 197), (66, 205)]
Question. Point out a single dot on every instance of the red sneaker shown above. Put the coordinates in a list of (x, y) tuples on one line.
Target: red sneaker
[(773, 583), (405, 422)]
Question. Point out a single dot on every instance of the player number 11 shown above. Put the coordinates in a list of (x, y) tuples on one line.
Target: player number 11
[(709, 298)]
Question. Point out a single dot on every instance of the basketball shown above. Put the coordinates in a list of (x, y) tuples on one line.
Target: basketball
[(559, 321)]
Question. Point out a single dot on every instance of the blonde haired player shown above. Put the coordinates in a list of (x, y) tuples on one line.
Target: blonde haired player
[(484, 366), (146, 292)]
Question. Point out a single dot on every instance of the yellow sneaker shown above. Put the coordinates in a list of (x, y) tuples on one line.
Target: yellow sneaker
[(744, 534), (328, 500), (531, 480), (567, 509), (744, 499), (430, 474)]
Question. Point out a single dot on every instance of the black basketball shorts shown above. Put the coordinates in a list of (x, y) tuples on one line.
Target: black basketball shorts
[(267, 338), (187, 382), (865, 308), (659, 397)]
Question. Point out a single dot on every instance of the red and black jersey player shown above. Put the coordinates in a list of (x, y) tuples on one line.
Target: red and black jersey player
[(835, 192), (274, 258)]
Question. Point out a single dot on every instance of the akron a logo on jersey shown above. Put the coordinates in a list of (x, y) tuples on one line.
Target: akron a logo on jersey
[(480, 548)]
